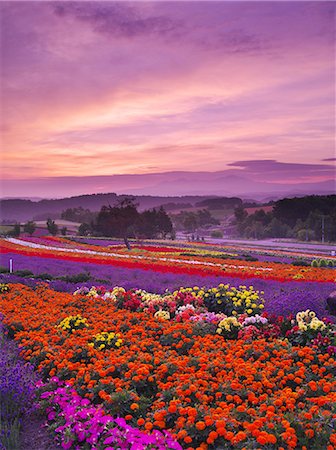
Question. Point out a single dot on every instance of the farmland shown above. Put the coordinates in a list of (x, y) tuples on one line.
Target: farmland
[(173, 345)]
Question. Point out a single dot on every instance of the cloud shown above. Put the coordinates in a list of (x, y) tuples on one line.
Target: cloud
[(117, 19), (116, 87), (272, 170), (132, 21)]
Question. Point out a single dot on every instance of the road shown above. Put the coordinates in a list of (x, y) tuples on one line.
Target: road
[(305, 247)]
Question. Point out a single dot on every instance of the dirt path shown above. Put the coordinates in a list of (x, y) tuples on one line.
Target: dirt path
[(35, 436)]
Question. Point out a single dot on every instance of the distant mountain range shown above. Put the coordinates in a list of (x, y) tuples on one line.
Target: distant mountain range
[(221, 184), (179, 183), (170, 187), (21, 210)]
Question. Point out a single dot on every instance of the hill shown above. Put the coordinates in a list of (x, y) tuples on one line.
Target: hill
[(21, 210)]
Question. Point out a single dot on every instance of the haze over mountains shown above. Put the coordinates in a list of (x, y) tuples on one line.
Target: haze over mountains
[(177, 183), (22, 209)]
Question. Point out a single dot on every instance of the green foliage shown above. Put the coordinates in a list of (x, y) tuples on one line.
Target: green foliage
[(29, 227), (125, 221), (221, 203), (84, 229), (322, 263), (250, 258), (10, 434), (153, 223), (79, 215), (77, 278), (307, 218), (240, 214), (64, 231), (217, 234), (305, 234), (190, 221), (52, 227), (44, 276), (300, 262), (15, 231), (24, 273), (289, 210)]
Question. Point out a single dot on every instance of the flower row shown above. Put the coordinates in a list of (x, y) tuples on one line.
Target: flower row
[(208, 392), (166, 262)]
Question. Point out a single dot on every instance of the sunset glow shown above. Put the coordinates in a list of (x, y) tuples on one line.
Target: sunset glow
[(103, 88)]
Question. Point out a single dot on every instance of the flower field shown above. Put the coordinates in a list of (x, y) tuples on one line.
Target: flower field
[(193, 351), (163, 259)]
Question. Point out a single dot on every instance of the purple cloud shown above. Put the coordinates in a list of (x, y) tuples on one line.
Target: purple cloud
[(118, 19), (271, 168), (107, 88)]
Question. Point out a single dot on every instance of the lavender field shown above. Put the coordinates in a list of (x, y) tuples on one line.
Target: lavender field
[(281, 298)]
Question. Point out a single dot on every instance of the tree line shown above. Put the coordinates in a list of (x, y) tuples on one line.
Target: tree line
[(123, 220), (307, 218)]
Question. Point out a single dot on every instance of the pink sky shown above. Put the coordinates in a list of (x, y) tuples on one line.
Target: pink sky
[(103, 88)]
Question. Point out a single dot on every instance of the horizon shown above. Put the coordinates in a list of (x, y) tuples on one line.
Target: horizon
[(139, 92)]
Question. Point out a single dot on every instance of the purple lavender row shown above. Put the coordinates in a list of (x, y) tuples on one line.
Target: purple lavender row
[(281, 298), (17, 389)]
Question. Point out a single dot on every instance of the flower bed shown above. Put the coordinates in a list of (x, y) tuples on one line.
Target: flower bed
[(165, 262), (211, 382), (281, 297), (17, 390)]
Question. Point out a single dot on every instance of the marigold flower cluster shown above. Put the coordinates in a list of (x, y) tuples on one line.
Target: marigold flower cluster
[(72, 323), (106, 340), (207, 391), (233, 301), (4, 287)]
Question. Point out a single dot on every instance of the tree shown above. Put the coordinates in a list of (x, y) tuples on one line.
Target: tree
[(240, 214), (277, 229), (64, 231), (15, 232), (117, 221), (289, 210), (29, 227), (205, 218), (190, 222), (164, 223), (84, 229), (154, 223), (52, 227), (124, 221), (305, 235), (78, 215)]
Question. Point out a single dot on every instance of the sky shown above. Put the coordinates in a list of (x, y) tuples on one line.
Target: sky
[(92, 90)]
